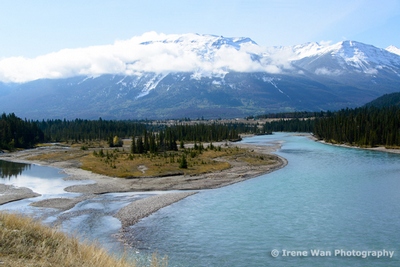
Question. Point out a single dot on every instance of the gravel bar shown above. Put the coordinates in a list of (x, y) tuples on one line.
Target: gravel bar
[(10, 193), (131, 214), (61, 203)]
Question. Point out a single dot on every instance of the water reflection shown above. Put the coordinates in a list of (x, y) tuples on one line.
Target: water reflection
[(12, 169)]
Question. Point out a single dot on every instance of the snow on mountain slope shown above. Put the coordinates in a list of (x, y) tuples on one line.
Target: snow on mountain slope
[(201, 55), (150, 85), (347, 55), (206, 55), (393, 49)]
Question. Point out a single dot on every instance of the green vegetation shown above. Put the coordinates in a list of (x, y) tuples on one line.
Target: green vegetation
[(150, 136), (387, 100), (183, 163), (18, 133), (88, 130), (367, 126), (374, 124), (25, 242), (305, 125)]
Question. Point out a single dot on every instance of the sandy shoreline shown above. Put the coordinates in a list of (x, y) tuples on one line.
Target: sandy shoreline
[(105, 184)]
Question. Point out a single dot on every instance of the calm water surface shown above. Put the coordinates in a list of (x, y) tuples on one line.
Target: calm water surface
[(327, 198)]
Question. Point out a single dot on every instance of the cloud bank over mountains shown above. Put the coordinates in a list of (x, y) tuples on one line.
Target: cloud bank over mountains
[(202, 55), (151, 52)]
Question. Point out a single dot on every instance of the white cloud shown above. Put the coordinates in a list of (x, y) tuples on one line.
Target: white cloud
[(161, 54)]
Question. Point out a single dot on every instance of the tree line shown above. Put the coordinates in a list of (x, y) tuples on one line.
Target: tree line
[(81, 130), (365, 126), (305, 125), (18, 133)]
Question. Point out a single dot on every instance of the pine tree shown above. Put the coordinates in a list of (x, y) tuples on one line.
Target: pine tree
[(133, 146), (183, 163), (139, 145)]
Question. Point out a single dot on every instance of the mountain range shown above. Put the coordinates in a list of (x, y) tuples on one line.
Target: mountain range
[(193, 75)]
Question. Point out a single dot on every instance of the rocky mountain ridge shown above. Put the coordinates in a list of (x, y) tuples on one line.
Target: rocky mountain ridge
[(192, 75)]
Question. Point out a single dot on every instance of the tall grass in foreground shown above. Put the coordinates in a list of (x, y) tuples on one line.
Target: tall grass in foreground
[(25, 242)]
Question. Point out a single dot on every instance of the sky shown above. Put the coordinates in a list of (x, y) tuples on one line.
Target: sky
[(32, 28)]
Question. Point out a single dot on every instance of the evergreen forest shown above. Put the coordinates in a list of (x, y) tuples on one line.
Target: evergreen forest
[(155, 136), (18, 133), (366, 126)]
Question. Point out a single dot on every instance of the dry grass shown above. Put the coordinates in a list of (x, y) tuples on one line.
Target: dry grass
[(255, 159), (119, 164), (25, 242), (71, 154)]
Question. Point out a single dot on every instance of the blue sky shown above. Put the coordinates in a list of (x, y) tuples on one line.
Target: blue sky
[(31, 28)]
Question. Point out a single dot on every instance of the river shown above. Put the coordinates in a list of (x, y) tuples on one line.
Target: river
[(330, 206)]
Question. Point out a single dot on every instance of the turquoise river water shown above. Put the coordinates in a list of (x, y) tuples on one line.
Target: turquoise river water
[(330, 206)]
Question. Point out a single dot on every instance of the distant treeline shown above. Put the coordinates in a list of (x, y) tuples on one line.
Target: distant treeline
[(15, 132), (366, 126), (292, 115), (18, 133), (82, 130), (305, 125), (85, 130)]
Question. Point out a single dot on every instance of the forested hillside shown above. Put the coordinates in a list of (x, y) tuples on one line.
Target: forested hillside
[(386, 100)]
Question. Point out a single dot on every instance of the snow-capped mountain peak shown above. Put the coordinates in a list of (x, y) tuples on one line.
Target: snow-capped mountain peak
[(206, 55), (308, 50), (348, 55), (365, 56), (179, 75), (393, 49), (345, 49), (196, 41), (200, 54)]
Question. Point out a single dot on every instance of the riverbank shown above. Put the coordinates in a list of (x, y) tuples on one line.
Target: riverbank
[(240, 170), (26, 242), (378, 148)]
